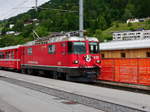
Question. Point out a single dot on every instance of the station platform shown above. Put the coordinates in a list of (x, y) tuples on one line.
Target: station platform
[(119, 97), (14, 98)]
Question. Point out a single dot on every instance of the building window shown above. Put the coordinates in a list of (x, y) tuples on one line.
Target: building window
[(103, 55), (51, 49), (123, 55), (148, 54), (29, 51)]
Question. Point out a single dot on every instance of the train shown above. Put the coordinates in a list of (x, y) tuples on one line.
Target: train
[(70, 57), (67, 57)]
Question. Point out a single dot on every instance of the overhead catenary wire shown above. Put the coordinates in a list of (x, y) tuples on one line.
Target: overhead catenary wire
[(18, 6), (62, 10)]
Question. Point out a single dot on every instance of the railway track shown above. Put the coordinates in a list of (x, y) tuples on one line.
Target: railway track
[(124, 88), (119, 86), (88, 101)]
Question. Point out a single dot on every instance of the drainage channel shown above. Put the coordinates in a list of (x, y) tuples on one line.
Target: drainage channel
[(91, 102)]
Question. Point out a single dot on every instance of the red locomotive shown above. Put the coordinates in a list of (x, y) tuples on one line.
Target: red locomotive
[(67, 57)]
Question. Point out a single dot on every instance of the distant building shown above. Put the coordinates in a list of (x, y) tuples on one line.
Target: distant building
[(36, 21), (17, 33), (10, 32), (133, 20), (28, 23), (132, 35), (11, 26)]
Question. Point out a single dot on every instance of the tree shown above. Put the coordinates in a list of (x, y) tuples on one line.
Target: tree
[(102, 24), (41, 31), (129, 11)]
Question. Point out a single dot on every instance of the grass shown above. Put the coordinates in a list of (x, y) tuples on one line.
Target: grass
[(124, 26)]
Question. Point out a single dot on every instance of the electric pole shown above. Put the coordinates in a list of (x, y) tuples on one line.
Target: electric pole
[(81, 19), (36, 5)]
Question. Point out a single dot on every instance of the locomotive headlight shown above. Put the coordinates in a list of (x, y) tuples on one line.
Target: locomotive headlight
[(76, 62), (98, 61)]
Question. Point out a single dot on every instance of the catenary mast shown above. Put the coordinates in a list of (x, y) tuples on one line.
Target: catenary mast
[(81, 19)]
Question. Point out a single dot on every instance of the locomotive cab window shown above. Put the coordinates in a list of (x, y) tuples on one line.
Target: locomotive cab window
[(76, 47), (94, 47), (51, 49)]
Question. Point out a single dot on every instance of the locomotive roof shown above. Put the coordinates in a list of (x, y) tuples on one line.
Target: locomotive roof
[(122, 45), (61, 39), (10, 47), (54, 39)]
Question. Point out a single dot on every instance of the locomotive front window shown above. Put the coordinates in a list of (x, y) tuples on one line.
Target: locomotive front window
[(77, 47), (93, 47)]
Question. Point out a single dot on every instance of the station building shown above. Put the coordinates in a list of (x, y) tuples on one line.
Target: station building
[(126, 62), (131, 35), (126, 49)]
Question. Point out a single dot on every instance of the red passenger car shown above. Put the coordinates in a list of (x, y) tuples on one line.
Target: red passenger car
[(10, 57)]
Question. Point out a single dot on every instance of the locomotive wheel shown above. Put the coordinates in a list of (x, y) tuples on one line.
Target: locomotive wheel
[(23, 71), (55, 75), (29, 71), (67, 78)]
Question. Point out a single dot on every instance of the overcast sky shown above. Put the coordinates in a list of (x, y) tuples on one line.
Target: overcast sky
[(9, 8)]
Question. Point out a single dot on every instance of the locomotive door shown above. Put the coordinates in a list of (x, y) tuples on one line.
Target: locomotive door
[(63, 54), (22, 55)]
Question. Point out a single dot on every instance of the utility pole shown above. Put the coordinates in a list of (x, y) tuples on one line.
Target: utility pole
[(81, 19), (36, 5)]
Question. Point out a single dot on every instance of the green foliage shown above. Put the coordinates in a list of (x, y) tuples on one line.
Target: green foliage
[(129, 11), (27, 31), (41, 31), (107, 34), (129, 24), (101, 18)]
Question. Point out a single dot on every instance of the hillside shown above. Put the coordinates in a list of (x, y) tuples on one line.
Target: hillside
[(101, 18), (117, 26)]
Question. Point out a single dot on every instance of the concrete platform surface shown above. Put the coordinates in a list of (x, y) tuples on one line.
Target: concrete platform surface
[(130, 99), (14, 98)]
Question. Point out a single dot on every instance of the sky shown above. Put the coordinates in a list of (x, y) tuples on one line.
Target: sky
[(9, 8)]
